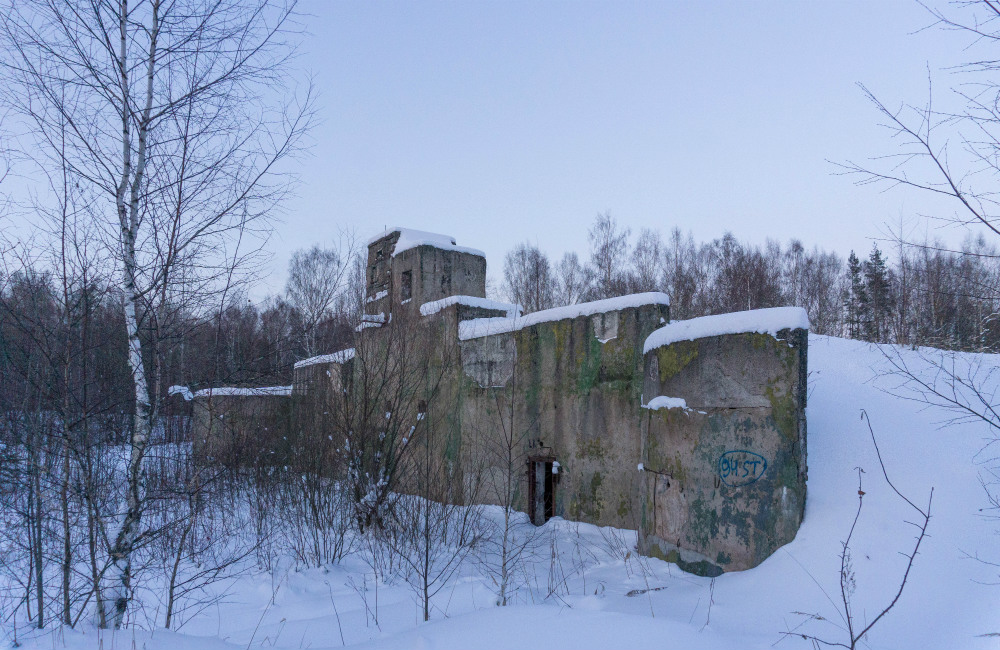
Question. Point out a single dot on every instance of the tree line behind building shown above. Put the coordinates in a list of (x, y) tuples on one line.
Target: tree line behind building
[(921, 295)]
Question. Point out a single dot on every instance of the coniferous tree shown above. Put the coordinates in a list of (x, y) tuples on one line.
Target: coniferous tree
[(878, 283), (856, 302)]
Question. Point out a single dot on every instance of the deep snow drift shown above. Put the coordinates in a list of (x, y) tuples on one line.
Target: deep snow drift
[(582, 588)]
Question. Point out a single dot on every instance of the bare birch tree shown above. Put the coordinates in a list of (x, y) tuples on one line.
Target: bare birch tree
[(176, 125), (608, 257), (528, 280), (318, 285)]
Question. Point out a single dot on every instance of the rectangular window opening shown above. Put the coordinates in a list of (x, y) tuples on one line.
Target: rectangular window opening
[(406, 286)]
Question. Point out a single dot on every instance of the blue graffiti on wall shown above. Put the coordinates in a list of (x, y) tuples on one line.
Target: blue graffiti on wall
[(741, 467)]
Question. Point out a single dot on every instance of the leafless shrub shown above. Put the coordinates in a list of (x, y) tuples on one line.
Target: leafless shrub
[(855, 629)]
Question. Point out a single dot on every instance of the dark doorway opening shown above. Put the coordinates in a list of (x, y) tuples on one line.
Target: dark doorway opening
[(541, 495)]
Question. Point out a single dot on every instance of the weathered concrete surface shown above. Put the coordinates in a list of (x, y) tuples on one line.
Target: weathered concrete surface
[(434, 273), (489, 361), (239, 430), (321, 380), (723, 484), (569, 398), (726, 476)]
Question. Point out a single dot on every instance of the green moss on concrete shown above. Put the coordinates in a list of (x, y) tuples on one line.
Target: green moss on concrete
[(562, 332), (589, 503), (618, 358), (591, 449), (623, 508), (673, 358), (588, 366), (760, 341), (702, 568), (674, 418), (788, 476), (675, 468), (784, 411), (453, 444), (704, 523)]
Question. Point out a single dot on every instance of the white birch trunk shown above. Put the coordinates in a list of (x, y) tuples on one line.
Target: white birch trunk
[(118, 591)]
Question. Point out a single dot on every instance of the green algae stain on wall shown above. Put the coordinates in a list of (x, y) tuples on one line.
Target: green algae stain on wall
[(619, 371), (588, 366), (590, 504), (704, 523), (624, 508), (561, 332), (591, 449), (702, 568), (585, 504), (785, 412), (671, 359)]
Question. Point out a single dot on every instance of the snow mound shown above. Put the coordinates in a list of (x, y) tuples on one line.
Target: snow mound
[(336, 357), (228, 391), (763, 321), (409, 238), (605, 595), (433, 307), (479, 327)]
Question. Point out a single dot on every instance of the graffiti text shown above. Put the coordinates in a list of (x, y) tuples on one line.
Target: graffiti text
[(741, 467)]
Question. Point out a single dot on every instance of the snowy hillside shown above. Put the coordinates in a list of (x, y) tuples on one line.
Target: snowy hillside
[(582, 588)]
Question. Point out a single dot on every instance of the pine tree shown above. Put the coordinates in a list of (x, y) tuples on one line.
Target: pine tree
[(878, 283), (856, 304)]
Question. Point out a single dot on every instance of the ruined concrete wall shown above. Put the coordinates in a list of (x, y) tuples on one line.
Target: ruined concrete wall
[(439, 273), (723, 457), (726, 476), (317, 402), (569, 397), (240, 430), (433, 272), (323, 380)]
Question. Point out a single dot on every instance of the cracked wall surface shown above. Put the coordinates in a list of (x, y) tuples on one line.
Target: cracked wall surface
[(728, 473)]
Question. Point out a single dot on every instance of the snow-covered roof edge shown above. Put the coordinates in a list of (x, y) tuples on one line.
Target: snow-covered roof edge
[(181, 390), (433, 307), (410, 238), (229, 391), (341, 356), (763, 321), (478, 327)]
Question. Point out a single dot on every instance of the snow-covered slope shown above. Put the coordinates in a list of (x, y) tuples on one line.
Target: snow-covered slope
[(581, 599)]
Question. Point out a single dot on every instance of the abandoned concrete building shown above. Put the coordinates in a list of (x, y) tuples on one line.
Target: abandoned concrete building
[(691, 432)]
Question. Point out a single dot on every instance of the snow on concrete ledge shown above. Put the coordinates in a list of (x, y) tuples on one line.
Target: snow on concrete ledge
[(336, 357), (377, 296), (479, 327), (433, 307), (664, 402), (372, 320), (184, 391), (263, 391), (763, 321), (409, 238)]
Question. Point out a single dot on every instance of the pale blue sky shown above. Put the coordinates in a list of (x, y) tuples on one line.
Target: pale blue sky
[(499, 122)]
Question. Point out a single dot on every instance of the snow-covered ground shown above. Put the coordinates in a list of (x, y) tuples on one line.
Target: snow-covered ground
[(574, 592)]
